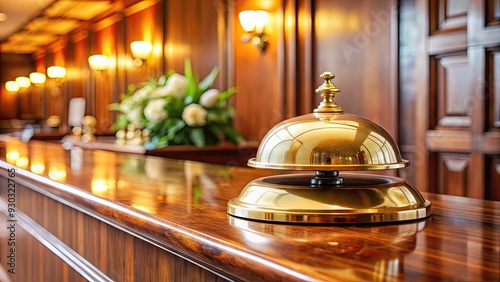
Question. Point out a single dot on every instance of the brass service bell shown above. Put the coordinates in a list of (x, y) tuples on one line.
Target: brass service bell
[(328, 142)]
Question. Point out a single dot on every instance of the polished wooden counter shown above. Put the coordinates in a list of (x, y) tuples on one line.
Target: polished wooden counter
[(224, 153), (180, 206)]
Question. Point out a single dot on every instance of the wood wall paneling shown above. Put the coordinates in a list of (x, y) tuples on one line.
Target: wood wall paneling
[(492, 12), (15, 105), (493, 178), (260, 99), (451, 84), (104, 84), (493, 87), (452, 172), (358, 42), (447, 15), (459, 65), (196, 29), (143, 22), (193, 31), (409, 90), (483, 20)]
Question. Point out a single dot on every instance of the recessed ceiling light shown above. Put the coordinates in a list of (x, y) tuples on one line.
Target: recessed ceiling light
[(3, 17)]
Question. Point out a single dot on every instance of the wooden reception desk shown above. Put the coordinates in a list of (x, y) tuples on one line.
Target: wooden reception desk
[(98, 215)]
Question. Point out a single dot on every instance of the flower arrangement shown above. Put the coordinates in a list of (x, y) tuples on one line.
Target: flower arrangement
[(177, 110)]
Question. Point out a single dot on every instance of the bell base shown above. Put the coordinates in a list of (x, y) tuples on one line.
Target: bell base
[(361, 199)]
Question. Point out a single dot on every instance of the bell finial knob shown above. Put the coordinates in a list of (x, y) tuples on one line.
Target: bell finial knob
[(327, 91)]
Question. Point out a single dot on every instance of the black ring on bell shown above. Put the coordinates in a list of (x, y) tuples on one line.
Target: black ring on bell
[(327, 179)]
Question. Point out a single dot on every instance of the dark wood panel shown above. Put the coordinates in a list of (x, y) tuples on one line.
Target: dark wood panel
[(453, 174), (452, 102), (458, 114), (484, 23), (492, 82), (493, 178), (447, 16), (492, 12), (408, 87), (409, 173)]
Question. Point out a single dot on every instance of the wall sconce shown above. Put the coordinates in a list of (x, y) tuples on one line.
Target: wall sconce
[(141, 51), (11, 86), (23, 82), (38, 79), (253, 22), (57, 73), (99, 64)]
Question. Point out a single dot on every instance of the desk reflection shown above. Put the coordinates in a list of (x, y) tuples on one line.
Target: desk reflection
[(349, 255)]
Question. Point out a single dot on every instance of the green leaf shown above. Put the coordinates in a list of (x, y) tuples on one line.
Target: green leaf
[(209, 80), (174, 107), (120, 123), (192, 89), (197, 136), (114, 107), (131, 88), (180, 137), (177, 126), (232, 134), (188, 70), (223, 96)]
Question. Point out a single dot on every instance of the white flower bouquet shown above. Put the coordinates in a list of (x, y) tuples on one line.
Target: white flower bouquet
[(178, 110)]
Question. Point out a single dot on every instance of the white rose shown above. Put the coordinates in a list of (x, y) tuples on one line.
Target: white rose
[(134, 115), (154, 110), (142, 93), (209, 98), (176, 86), (194, 115), (161, 91), (125, 107)]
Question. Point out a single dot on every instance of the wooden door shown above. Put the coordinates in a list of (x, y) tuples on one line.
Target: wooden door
[(457, 144)]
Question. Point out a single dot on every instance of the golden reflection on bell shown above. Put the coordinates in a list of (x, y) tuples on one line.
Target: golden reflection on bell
[(327, 142)]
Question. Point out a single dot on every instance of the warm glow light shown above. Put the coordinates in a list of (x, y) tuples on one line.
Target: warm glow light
[(246, 20), (143, 208), (56, 72), (11, 86), (141, 49), (260, 21), (99, 62), (12, 156), (23, 82), (38, 78), (56, 174), (37, 168), (253, 21), (22, 162), (99, 186)]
